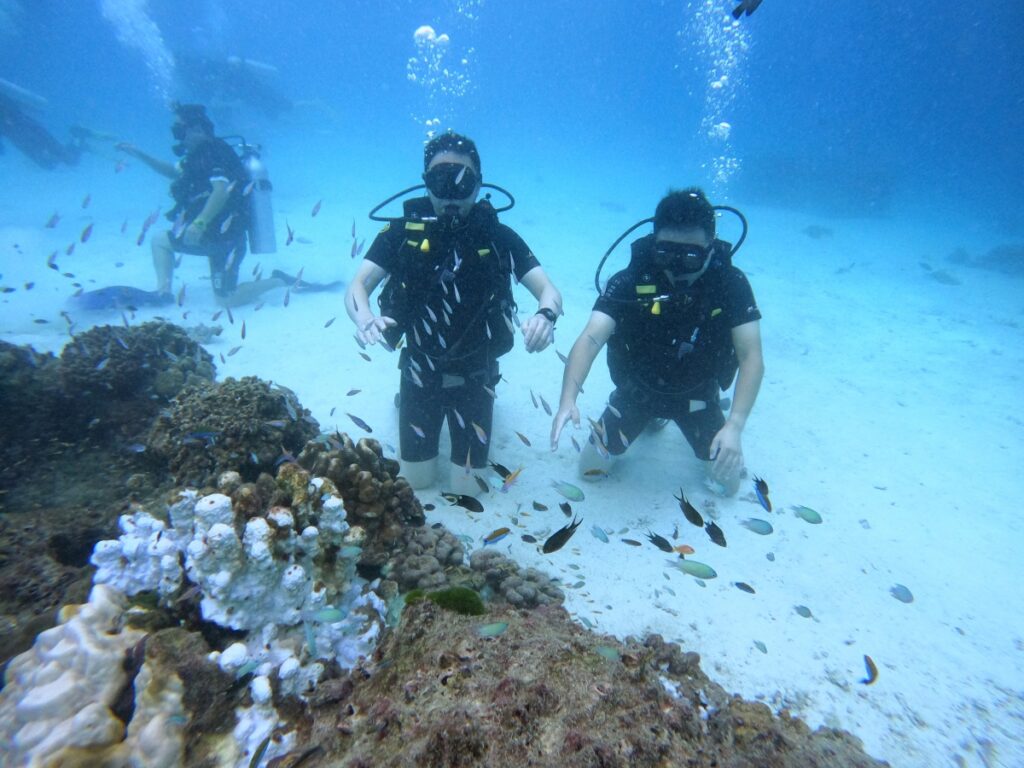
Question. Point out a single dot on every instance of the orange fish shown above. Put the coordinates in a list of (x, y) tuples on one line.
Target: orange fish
[(684, 549)]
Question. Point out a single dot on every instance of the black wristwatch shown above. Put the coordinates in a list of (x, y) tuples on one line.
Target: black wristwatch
[(548, 313)]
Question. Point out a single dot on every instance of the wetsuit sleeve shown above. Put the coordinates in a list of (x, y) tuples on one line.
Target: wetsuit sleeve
[(739, 305), (523, 259), (616, 296), (384, 249)]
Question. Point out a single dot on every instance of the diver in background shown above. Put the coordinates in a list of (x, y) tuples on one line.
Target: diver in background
[(211, 214), (234, 80), (34, 141), (679, 322), (449, 264)]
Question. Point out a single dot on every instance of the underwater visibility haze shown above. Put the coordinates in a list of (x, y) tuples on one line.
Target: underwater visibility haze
[(203, 464)]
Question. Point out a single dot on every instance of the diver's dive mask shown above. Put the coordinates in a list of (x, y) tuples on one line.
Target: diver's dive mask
[(681, 258), (451, 181)]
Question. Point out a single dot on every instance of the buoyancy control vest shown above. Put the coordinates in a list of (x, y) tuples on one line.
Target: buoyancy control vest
[(441, 271), (672, 340)]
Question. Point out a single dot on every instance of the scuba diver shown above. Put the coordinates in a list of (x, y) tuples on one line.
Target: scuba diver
[(28, 134), (449, 264), (211, 215), (679, 321)]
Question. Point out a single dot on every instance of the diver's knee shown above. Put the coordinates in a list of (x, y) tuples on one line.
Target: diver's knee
[(420, 474), (593, 463), (462, 482)]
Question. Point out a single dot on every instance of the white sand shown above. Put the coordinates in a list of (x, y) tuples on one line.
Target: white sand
[(890, 405)]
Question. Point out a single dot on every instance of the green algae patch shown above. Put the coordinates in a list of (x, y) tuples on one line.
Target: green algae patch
[(461, 600)]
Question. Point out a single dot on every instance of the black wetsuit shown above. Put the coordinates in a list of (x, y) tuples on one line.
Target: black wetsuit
[(670, 356), (224, 240), (450, 291)]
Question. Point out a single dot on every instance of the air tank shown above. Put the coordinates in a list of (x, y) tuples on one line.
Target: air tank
[(261, 211)]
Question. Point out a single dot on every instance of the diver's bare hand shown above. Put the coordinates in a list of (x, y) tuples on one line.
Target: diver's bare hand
[(371, 331), (561, 418), (538, 332), (192, 236), (727, 452)]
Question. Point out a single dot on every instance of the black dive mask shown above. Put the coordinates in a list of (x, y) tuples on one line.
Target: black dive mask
[(451, 181), (680, 258)]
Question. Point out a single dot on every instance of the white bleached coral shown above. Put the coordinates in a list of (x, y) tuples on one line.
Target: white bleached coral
[(58, 693)]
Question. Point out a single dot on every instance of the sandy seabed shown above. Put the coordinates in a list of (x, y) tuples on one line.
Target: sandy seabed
[(887, 406)]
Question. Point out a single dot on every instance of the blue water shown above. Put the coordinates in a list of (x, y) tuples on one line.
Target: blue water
[(899, 125)]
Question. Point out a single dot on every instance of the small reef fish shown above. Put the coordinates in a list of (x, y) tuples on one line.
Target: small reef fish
[(510, 479), (683, 549), (502, 470), (744, 587), (480, 434), (599, 533), (715, 533), (533, 397), (84, 237), (631, 542), (352, 392), (86, 200), (496, 535), (762, 527), (538, 507), (523, 438), (418, 430), (359, 422), (330, 322), (600, 473), (689, 512), (462, 500), (528, 538), (316, 208), (807, 514), (761, 489), (52, 221), (492, 630), (558, 539), (869, 665), (291, 233), (659, 541), (544, 404), (568, 490), (566, 509)]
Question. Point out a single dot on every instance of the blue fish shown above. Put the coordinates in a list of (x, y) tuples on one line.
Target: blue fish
[(761, 490), (119, 297)]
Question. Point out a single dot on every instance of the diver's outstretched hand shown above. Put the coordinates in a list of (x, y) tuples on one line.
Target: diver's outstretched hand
[(558, 423), (372, 331)]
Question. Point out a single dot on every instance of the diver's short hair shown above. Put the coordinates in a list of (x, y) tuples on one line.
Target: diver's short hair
[(450, 141), (194, 115), (685, 209)]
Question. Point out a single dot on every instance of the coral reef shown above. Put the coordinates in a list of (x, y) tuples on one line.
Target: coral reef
[(376, 499), (425, 559), (546, 693), (118, 378), (58, 696), (246, 425), (521, 587)]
